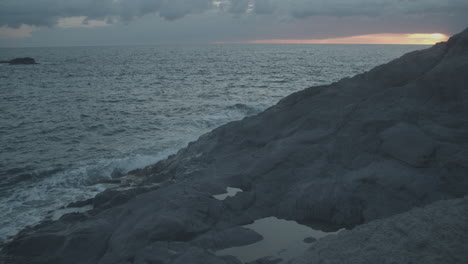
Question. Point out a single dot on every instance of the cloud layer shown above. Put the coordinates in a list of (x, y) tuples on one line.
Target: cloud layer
[(343, 8), (14, 13), (128, 22)]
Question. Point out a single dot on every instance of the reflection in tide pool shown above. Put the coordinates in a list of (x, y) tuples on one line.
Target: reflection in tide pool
[(230, 192), (282, 239)]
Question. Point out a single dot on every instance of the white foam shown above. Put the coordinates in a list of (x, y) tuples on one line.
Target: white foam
[(30, 203), (230, 192), (55, 215), (281, 239)]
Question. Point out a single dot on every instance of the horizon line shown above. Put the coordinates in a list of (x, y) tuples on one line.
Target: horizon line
[(201, 44), (369, 39)]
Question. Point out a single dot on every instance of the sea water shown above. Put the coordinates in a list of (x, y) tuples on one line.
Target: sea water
[(88, 114)]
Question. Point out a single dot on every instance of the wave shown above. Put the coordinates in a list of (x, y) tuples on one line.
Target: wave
[(244, 109), (30, 202)]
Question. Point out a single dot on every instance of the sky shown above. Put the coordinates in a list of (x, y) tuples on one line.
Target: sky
[(130, 22)]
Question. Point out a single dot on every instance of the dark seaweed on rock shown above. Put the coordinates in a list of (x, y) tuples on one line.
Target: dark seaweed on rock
[(354, 153)]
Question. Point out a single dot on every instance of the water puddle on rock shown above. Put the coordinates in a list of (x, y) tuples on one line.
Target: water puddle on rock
[(282, 239), (230, 192), (55, 215)]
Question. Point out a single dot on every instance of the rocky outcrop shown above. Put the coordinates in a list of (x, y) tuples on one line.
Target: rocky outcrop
[(26, 60), (434, 234), (346, 154)]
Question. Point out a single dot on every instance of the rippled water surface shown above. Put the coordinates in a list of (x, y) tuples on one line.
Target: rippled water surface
[(281, 240), (85, 114)]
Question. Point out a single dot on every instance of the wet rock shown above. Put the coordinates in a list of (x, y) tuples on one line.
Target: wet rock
[(83, 203), (241, 201), (224, 238), (115, 197), (309, 240), (67, 246), (266, 260), (200, 256), (34, 246)]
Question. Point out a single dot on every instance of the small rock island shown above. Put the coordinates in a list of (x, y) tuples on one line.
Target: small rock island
[(17, 61)]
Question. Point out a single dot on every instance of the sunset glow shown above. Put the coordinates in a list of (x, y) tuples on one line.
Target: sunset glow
[(386, 38)]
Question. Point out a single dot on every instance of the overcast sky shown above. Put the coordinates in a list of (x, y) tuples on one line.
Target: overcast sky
[(104, 22)]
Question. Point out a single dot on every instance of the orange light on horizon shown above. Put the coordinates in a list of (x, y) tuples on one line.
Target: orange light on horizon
[(385, 38)]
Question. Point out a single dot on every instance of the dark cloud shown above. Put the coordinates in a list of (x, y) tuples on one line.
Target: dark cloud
[(307, 8), (225, 20), (13, 13), (238, 6), (264, 6), (343, 8), (219, 27)]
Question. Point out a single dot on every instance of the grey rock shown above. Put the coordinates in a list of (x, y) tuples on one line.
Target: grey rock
[(309, 240), (176, 252), (114, 197), (409, 144), (199, 256), (229, 237), (266, 260), (80, 203), (434, 234)]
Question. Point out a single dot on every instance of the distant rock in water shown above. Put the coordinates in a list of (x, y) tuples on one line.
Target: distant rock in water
[(25, 60), (384, 153)]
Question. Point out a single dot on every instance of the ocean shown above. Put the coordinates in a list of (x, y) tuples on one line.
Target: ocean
[(87, 114)]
